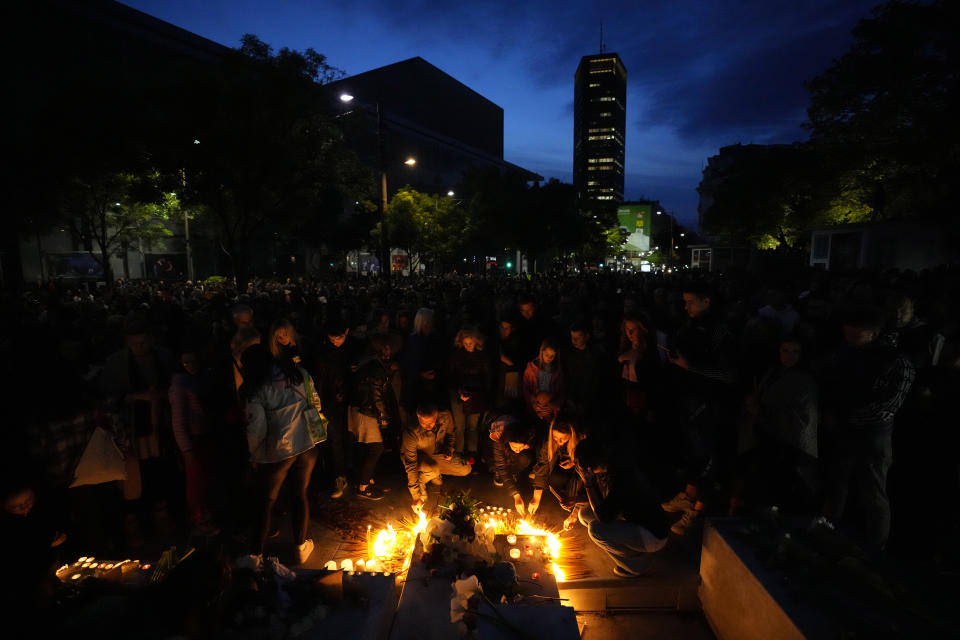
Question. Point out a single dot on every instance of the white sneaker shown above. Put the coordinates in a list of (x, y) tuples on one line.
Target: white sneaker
[(679, 502), (339, 486), (689, 520), (304, 550)]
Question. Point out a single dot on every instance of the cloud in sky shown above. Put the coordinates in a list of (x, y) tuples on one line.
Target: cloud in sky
[(701, 75)]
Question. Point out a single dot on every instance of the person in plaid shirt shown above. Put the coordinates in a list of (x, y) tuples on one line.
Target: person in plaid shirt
[(866, 382)]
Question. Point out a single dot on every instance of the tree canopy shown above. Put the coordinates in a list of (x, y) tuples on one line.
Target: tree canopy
[(884, 114), (884, 139)]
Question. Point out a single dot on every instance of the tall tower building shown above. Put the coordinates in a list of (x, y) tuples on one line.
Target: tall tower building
[(599, 127)]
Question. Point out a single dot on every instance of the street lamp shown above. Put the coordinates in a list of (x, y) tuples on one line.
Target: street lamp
[(385, 266), (672, 247)]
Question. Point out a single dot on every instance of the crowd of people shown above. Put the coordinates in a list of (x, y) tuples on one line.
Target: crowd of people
[(640, 403)]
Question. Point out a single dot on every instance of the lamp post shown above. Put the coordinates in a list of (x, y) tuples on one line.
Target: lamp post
[(385, 265), (669, 217)]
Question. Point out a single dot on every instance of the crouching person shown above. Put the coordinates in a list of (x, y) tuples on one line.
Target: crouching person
[(512, 458), (427, 451), (624, 517)]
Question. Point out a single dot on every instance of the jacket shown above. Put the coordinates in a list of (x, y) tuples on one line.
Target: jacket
[(276, 420), (531, 384), (507, 464), (373, 394), (436, 441), (470, 372)]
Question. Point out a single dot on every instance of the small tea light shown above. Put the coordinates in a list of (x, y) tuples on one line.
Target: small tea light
[(511, 539), (529, 553), (331, 566), (75, 576), (359, 564), (514, 553), (346, 564), (535, 575), (145, 567)]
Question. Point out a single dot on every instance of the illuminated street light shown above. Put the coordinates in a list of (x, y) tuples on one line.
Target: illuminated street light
[(410, 162), (451, 193)]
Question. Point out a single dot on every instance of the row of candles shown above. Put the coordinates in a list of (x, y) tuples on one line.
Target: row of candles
[(90, 563), (347, 564)]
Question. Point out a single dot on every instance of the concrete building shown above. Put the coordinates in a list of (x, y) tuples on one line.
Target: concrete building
[(427, 115), (599, 127)]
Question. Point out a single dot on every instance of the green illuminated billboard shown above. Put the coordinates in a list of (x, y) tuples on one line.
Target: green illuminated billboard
[(636, 219)]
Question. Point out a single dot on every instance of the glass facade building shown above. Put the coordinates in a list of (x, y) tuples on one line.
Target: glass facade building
[(599, 127)]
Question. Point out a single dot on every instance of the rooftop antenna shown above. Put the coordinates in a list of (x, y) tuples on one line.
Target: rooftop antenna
[(601, 37)]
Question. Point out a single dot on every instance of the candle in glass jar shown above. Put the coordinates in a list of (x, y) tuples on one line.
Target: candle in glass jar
[(514, 553), (511, 539)]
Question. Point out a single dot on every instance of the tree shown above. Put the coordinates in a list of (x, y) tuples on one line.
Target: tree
[(261, 147), (429, 227), (111, 212), (496, 211), (884, 115), (762, 195)]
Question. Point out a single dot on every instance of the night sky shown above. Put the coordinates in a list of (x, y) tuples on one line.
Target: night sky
[(700, 75)]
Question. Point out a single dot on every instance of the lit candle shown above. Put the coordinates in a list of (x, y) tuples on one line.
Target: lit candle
[(514, 553), (535, 575), (511, 539), (359, 564), (331, 566), (529, 553), (346, 564)]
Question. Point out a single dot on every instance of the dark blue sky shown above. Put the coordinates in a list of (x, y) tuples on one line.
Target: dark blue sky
[(700, 75)]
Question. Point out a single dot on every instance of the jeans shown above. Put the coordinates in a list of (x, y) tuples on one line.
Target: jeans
[(863, 460), (465, 426), (627, 543), (270, 478), (434, 466)]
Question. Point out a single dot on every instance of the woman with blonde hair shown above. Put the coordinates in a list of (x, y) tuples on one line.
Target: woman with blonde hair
[(554, 468), (283, 341), (471, 383)]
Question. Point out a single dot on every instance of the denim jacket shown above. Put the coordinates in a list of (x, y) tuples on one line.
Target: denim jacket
[(277, 422)]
